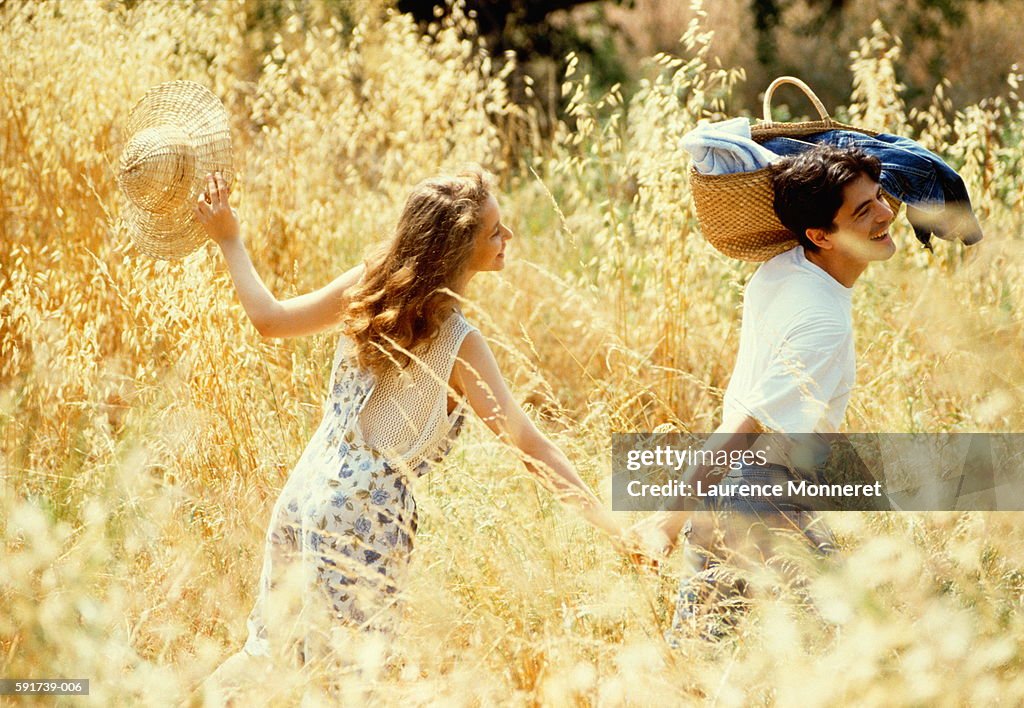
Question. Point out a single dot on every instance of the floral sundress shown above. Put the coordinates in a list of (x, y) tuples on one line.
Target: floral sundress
[(341, 532)]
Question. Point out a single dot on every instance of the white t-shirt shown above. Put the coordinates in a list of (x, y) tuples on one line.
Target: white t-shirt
[(796, 365)]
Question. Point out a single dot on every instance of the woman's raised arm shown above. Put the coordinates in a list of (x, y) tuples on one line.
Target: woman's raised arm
[(476, 375), (295, 317)]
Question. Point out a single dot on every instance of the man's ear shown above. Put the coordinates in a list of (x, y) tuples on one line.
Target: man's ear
[(820, 238)]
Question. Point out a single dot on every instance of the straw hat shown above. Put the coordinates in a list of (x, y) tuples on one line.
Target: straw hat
[(175, 136)]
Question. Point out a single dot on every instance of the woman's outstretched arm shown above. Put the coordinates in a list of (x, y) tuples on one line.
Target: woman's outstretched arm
[(476, 375), (295, 317)]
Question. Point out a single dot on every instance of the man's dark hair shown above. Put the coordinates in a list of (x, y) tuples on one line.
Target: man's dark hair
[(809, 187)]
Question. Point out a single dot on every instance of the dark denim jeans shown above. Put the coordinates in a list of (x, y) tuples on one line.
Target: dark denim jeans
[(721, 592), (791, 511), (935, 195)]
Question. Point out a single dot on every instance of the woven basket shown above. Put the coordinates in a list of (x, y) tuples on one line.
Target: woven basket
[(736, 212)]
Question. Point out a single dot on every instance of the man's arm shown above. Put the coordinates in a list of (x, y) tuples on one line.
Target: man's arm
[(660, 532), (791, 394)]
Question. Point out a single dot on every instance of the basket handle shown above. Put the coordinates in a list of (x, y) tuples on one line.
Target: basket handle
[(803, 87)]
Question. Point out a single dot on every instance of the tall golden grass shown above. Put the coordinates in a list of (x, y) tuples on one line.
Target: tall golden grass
[(146, 427)]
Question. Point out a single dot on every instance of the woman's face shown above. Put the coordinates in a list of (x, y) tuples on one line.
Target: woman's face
[(490, 240)]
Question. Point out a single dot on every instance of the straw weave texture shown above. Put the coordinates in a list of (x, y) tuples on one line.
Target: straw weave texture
[(737, 211), (175, 135)]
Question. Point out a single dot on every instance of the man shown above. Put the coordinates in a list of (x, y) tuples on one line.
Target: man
[(795, 368)]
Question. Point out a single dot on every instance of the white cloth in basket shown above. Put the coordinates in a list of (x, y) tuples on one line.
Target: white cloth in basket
[(725, 148)]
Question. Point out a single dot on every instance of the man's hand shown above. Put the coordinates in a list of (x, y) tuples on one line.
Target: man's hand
[(213, 212)]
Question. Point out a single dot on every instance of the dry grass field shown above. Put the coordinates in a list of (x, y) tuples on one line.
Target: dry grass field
[(145, 427)]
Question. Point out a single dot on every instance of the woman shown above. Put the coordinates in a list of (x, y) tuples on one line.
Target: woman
[(405, 366)]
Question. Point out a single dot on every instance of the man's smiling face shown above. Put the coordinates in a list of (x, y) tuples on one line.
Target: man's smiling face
[(861, 225)]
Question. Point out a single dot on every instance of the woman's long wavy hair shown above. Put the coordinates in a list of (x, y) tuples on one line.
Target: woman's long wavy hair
[(404, 296)]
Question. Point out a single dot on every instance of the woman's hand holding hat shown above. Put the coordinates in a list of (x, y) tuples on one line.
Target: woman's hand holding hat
[(175, 136), (213, 211)]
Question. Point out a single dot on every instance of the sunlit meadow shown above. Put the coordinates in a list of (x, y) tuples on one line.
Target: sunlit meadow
[(146, 427)]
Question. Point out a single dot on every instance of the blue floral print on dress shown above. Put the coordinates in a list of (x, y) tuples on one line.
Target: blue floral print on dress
[(346, 518)]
